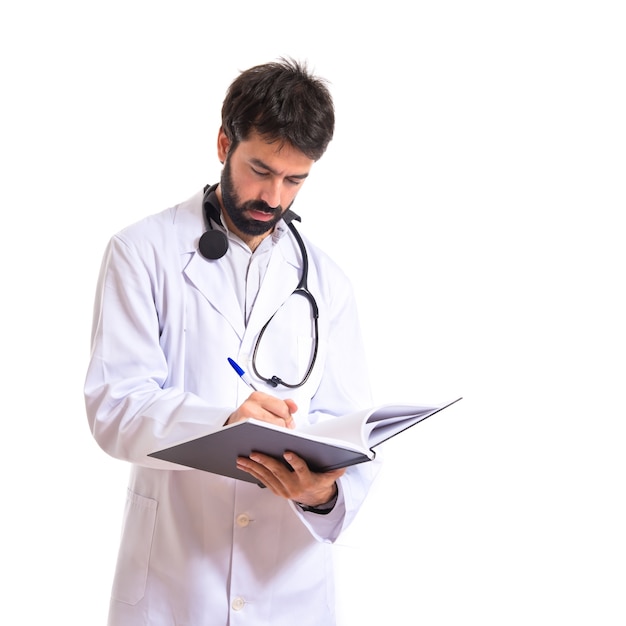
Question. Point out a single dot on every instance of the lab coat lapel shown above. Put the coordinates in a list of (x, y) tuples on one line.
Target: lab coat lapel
[(210, 278), (281, 278)]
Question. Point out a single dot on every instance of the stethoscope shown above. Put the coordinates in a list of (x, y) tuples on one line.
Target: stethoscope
[(214, 244)]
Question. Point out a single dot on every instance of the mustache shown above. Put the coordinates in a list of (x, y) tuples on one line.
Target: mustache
[(261, 205)]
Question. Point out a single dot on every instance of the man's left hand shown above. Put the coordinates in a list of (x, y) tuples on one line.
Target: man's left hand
[(301, 485)]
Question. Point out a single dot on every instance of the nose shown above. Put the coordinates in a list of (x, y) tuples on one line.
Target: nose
[(271, 192)]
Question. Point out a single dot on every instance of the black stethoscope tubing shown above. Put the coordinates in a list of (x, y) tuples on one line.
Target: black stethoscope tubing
[(301, 290), (214, 244)]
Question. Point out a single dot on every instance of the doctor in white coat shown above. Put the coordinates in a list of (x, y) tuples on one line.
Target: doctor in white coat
[(199, 549)]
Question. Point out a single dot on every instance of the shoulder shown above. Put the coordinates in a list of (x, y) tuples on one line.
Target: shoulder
[(321, 262), (178, 227), (328, 277)]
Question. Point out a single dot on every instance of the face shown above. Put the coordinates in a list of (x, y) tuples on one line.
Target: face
[(259, 183)]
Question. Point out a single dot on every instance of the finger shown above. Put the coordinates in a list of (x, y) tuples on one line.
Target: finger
[(304, 473), (298, 464), (280, 409), (276, 408), (267, 470), (267, 408), (293, 407), (312, 487)]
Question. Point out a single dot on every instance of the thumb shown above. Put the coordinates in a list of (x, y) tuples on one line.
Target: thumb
[(292, 407)]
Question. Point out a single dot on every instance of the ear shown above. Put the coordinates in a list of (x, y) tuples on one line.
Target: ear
[(223, 145)]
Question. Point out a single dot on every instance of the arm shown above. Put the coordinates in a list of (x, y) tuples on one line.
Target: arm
[(137, 387), (133, 405)]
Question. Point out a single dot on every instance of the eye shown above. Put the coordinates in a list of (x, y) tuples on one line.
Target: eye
[(259, 173), (294, 181)]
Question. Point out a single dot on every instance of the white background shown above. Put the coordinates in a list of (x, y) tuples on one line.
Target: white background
[(474, 188)]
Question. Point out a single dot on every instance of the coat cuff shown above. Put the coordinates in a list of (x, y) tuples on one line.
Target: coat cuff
[(322, 509)]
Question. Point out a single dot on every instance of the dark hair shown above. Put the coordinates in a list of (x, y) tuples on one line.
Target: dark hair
[(283, 102)]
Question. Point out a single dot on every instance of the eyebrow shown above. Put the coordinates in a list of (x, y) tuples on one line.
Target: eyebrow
[(258, 163)]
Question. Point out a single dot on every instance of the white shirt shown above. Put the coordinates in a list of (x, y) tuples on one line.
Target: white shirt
[(247, 268)]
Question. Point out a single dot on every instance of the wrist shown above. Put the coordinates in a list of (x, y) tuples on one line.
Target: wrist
[(325, 507)]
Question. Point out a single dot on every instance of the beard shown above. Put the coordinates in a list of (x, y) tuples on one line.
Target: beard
[(236, 209)]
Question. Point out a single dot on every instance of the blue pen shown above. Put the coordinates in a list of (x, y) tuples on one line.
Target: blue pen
[(242, 374)]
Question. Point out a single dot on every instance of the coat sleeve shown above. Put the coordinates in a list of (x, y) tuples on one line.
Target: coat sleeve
[(131, 410)]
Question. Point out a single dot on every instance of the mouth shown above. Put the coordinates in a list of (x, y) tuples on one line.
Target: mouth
[(261, 216), (261, 212)]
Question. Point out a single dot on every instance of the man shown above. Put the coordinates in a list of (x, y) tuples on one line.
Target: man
[(171, 307)]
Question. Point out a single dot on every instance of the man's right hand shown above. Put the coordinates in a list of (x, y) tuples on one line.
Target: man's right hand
[(266, 408)]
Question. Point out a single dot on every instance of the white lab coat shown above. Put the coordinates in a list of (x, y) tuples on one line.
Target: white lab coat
[(196, 548)]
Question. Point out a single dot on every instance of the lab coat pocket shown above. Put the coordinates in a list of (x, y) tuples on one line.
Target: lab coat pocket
[(131, 573)]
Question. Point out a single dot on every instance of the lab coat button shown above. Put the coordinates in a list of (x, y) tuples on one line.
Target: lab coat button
[(243, 520), (238, 604)]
